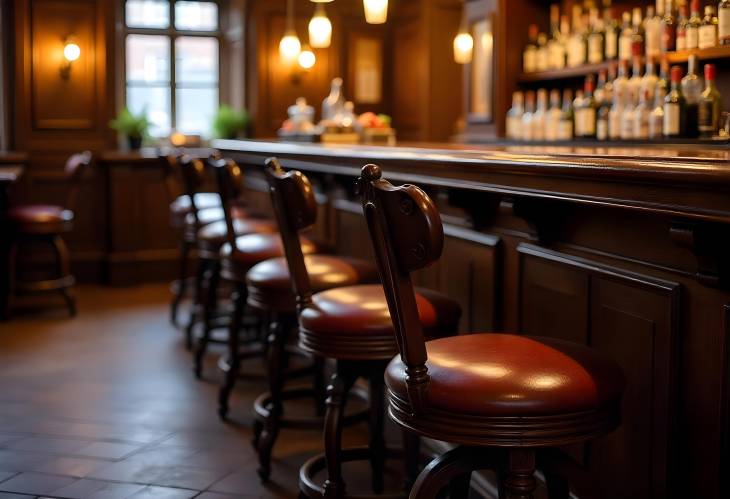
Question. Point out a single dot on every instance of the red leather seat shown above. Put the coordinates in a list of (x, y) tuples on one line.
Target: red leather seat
[(355, 320), (269, 282), (252, 249), (41, 219), (513, 376)]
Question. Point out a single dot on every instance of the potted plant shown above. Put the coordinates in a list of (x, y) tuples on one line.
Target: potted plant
[(227, 122), (133, 127)]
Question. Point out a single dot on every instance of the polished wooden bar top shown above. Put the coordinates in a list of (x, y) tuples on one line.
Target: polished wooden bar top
[(676, 180)]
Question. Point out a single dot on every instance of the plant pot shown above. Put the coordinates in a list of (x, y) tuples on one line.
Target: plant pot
[(134, 143)]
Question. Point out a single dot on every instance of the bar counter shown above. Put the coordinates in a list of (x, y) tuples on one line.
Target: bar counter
[(624, 249)]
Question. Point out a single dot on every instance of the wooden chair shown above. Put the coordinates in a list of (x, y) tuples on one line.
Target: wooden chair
[(507, 400), (351, 325), (45, 224)]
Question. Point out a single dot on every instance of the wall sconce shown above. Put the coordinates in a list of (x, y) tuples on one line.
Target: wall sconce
[(71, 53), (376, 11), (463, 46)]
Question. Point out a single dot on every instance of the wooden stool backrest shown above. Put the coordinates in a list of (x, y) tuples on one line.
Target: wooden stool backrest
[(229, 178), (74, 169), (407, 235), (193, 175), (295, 208)]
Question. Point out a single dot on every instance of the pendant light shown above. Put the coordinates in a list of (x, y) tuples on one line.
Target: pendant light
[(376, 11), (320, 28), (463, 45), (307, 59), (290, 46)]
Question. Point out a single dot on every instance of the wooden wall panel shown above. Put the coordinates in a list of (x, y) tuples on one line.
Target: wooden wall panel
[(633, 319)]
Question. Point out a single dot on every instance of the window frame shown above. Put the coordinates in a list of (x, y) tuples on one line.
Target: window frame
[(172, 33)]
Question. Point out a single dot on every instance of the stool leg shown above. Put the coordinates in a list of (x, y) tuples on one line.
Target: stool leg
[(320, 388), (453, 465), (185, 247), (412, 457), (520, 480), (340, 385), (209, 304), (197, 302), (64, 269), (377, 442), (277, 359), (234, 362)]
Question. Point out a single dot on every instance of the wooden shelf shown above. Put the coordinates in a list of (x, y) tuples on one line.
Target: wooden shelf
[(713, 53)]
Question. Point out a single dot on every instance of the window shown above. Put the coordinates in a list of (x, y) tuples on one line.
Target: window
[(172, 63)]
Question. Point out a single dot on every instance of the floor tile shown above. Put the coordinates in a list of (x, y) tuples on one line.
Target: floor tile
[(153, 492), (35, 483), (49, 445), (8, 495), (71, 466), (12, 460), (107, 450), (5, 475), (140, 471), (97, 489), (218, 495)]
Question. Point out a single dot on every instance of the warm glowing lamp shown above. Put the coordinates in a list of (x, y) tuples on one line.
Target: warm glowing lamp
[(290, 46), (376, 11), (463, 47), (307, 58), (71, 53), (320, 28)]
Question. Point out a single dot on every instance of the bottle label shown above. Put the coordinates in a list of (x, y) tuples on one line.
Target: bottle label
[(602, 129), (708, 36), (542, 59), (528, 61), (692, 37), (565, 130), (669, 35), (681, 40), (671, 119), (627, 125), (641, 125), (624, 48), (724, 26), (585, 122), (611, 44), (614, 124), (706, 118), (595, 49), (653, 38)]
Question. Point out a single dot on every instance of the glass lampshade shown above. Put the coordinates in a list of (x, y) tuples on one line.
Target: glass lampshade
[(307, 59), (320, 28), (290, 46), (376, 11), (463, 47)]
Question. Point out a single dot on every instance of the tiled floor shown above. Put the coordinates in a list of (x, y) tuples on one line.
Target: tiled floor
[(105, 406)]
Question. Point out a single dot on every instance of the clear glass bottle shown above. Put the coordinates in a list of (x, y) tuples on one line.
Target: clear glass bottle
[(650, 80), (710, 105), (553, 116), (619, 101), (529, 55), (578, 45), (692, 87), (634, 83), (527, 116), (603, 100), (637, 31), (641, 117), (595, 38), (542, 58), (669, 28), (656, 118), (708, 29), (611, 34), (627, 121), (723, 15), (565, 125), (555, 45), (577, 123), (624, 41), (674, 107), (539, 117), (693, 26), (652, 30), (682, 20), (514, 116), (586, 112)]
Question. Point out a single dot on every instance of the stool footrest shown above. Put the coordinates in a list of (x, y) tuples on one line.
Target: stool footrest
[(46, 285)]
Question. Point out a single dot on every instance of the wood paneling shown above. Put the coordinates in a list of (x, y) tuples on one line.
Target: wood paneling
[(634, 319)]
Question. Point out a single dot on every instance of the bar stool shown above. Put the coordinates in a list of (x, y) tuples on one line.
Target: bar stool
[(46, 224), (507, 400), (270, 291), (349, 324)]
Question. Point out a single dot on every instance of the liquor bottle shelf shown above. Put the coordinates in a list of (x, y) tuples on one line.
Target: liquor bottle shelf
[(713, 53)]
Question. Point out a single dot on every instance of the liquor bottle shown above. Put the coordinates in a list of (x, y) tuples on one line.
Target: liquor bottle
[(656, 118), (627, 121), (723, 14), (674, 107), (527, 115), (692, 90), (555, 45), (708, 29), (641, 117), (693, 26), (663, 81), (577, 123), (603, 100), (553, 116), (619, 102), (681, 43), (611, 34), (652, 30), (529, 56), (560, 52), (542, 57), (710, 105), (577, 46), (669, 29), (624, 41), (595, 38), (514, 116), (586, 112), (637, 31), (539, 117), (633, 87), (565, 125), (650, 80)]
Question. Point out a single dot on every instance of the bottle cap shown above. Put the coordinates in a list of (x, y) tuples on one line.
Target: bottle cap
[(589, 85), (695, 5), (676, 74), (533, 31), (709, 71)]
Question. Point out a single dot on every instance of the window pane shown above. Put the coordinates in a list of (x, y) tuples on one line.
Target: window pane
[(155, 101), (197, 16), (148, 13), (195, 108), (196, 60), (148, 58)]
